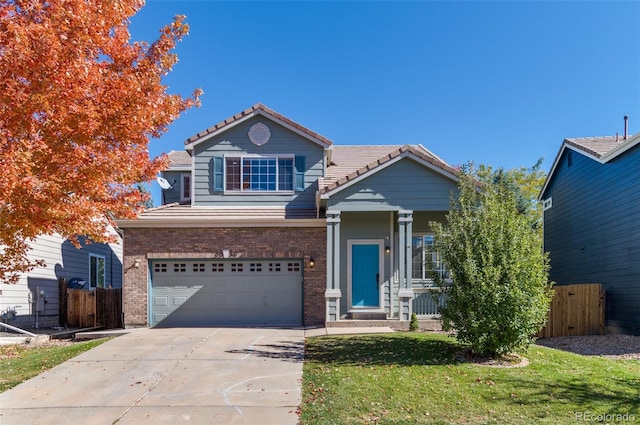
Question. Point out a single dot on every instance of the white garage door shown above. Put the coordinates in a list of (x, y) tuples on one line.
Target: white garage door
[(225, 293)]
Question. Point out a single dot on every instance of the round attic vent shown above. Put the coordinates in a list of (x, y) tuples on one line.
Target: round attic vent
[(259, 134)]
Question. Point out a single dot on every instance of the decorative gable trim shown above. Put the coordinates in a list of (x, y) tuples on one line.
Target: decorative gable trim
[(257, 110), (386, 161)]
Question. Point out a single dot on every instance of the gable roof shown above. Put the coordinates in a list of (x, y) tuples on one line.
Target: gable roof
[(600, 149), (350, 164), (257, 110), (179, 161)]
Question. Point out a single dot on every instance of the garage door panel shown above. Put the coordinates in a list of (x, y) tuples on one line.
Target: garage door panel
[(205, 293)]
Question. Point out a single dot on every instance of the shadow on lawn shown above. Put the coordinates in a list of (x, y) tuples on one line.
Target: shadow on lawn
[(620, 396), (399, 349)]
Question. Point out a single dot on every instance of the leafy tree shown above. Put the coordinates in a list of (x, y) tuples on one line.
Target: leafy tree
[(148, 203), (500, 293), (78, 105), (525, 182)]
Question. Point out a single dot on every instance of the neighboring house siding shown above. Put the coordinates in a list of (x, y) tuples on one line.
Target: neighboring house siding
[(235, 141), (172, 195), (592, 230), (45, 248), (402, 185), (62, 260), (291, 242)]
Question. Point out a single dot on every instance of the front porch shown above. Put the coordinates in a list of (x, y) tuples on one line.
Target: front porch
[(375, 269)]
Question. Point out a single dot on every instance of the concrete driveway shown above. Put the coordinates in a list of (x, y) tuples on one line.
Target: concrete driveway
[(169, 376)]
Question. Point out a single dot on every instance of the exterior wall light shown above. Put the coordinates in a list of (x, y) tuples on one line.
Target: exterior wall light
[(312, 263), (137, 263), (387, 250)]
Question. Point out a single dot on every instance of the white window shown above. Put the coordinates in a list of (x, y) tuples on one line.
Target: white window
[(185, 187), (423, 252), (259, 174), (547, 203), (96, 271)]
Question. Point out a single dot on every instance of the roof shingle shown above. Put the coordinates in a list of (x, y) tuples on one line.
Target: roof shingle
[(350, 162), (596, 146), (257, 108)]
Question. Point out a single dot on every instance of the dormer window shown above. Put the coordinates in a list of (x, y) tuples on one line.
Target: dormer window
[(252, 173)]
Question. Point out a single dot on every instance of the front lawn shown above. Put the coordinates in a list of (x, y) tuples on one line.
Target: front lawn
[(21, 362), (403, 378)]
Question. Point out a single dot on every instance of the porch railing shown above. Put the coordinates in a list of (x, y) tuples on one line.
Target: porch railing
[(427, 301)]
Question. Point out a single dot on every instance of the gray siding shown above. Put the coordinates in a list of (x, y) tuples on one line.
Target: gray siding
[(62, 260), (592, 231), (75, 262), (173, 194), (236, 141), (404, 185)]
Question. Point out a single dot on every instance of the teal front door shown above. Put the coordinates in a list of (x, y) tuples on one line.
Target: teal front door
[(365, 275)]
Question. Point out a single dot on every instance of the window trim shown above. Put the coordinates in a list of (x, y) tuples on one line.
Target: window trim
[(425, 280), (104, 271), (183, 177), (242, 191)]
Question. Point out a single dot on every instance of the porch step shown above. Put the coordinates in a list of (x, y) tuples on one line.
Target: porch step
[(351, 323), (368, 315), (425, 324)]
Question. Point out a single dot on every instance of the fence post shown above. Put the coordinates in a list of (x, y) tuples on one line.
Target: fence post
[(62, 302)]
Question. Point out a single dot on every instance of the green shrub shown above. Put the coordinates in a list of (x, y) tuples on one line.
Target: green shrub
[(500, 293), (414, 326)]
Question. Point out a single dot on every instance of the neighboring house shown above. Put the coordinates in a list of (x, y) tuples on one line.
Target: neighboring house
[(591, 203), (36, 295), (269, 223)]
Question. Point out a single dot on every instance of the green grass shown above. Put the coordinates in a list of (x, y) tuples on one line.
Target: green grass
[(405, 378), (21, 362)]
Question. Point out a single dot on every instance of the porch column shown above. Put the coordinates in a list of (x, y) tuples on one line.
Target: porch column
[(405, 292), (333, 294)]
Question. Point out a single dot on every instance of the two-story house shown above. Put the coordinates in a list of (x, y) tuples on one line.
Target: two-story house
[(591, 203), (269, 223)]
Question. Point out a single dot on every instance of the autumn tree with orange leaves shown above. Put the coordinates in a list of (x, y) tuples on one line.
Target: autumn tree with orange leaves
[(79, 102)]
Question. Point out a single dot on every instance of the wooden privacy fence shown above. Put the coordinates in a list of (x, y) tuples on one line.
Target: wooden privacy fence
[(99, 307), (575, 310)]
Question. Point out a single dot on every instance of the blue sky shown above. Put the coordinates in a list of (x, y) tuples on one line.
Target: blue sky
[(500, 83)]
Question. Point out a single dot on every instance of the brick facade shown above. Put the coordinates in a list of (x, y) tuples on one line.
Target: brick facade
[(248, 242)]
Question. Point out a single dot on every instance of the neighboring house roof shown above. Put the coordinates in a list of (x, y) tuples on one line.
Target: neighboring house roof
[(600, 149), (257, 109), (180, 215), (352, 163), (179, 161)]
